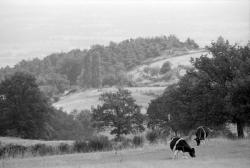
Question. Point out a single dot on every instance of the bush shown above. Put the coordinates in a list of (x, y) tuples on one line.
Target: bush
[(166, 67), (64, 148), (122, 143), (81, 146), (223, 132), (12, 150), (152, 136), (97, 143), (138, 141), (100, 143), (126, 143), (42, 150)]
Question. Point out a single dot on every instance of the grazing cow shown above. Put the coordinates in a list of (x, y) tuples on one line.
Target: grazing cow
[(201, 134), (178, 144)]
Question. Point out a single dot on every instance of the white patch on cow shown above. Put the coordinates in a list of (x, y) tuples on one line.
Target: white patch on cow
[(174, 148)]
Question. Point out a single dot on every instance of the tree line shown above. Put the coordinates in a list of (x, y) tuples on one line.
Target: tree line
[(98, 66), (27, 113)]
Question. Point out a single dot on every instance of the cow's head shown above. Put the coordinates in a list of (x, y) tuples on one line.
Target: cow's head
[(198, 141)]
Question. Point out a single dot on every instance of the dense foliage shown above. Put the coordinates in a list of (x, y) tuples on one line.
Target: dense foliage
[(25, 112), (23, 108), (166, 67), (215, 92), (119, 112), (63, 126), (98, 66)]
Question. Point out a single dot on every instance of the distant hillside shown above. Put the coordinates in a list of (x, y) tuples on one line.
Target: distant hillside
[(149, 72), (148, 85), (99, 66)]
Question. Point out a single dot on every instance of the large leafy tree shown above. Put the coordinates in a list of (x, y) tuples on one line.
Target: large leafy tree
[(215, 92), (228, 75), (23, 108), (119, 112)]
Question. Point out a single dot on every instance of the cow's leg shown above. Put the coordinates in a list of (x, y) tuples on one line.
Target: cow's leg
[(204, 141), (175, 154), (184, 155)]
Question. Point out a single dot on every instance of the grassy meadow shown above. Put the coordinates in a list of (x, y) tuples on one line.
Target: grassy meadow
[(87, 98), (216, 153)]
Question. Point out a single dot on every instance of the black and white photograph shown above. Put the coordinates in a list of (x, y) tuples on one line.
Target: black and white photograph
[(124, 83)]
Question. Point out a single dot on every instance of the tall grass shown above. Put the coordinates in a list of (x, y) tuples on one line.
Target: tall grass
[(138, 141)]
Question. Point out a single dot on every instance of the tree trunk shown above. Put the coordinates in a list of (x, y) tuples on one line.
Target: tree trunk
[(240, 131)]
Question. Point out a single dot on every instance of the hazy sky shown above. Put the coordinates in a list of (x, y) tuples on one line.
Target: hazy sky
[(36, 28)]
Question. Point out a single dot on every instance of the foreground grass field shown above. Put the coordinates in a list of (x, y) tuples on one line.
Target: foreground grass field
[(216, 153)]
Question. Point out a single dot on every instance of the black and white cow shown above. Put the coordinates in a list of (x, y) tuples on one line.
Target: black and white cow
[(178, 144), (202, 133)]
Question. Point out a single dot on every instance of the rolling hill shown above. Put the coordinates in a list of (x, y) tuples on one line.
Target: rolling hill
[(146, 90)]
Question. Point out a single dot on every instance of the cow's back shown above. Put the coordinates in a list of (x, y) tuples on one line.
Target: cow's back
[(173, 142)]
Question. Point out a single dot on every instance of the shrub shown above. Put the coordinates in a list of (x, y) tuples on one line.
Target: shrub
[(81, 146), (223, 132), (12, 150), (152, 136), (122, 143), (42, 150), (126, 143), (138, 141), (1, 152), (64, 148), (228, 134), (166, 67), (100, 143)]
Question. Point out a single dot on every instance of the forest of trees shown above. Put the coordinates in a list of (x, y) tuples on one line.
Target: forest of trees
[(96, 67), (215, 92)]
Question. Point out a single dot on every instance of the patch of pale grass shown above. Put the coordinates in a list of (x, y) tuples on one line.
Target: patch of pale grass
[(29, 142), (88, 98)]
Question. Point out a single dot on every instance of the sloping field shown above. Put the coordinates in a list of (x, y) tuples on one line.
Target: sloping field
[(217, 153), (88, 98), (175, 61)]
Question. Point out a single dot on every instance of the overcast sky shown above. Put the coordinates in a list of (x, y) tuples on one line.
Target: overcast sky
[(36, 28)]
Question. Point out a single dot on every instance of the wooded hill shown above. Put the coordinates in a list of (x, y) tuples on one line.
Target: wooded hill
[(98, 66)]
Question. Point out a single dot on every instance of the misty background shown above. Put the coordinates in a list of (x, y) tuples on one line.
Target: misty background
[(37, 28)]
